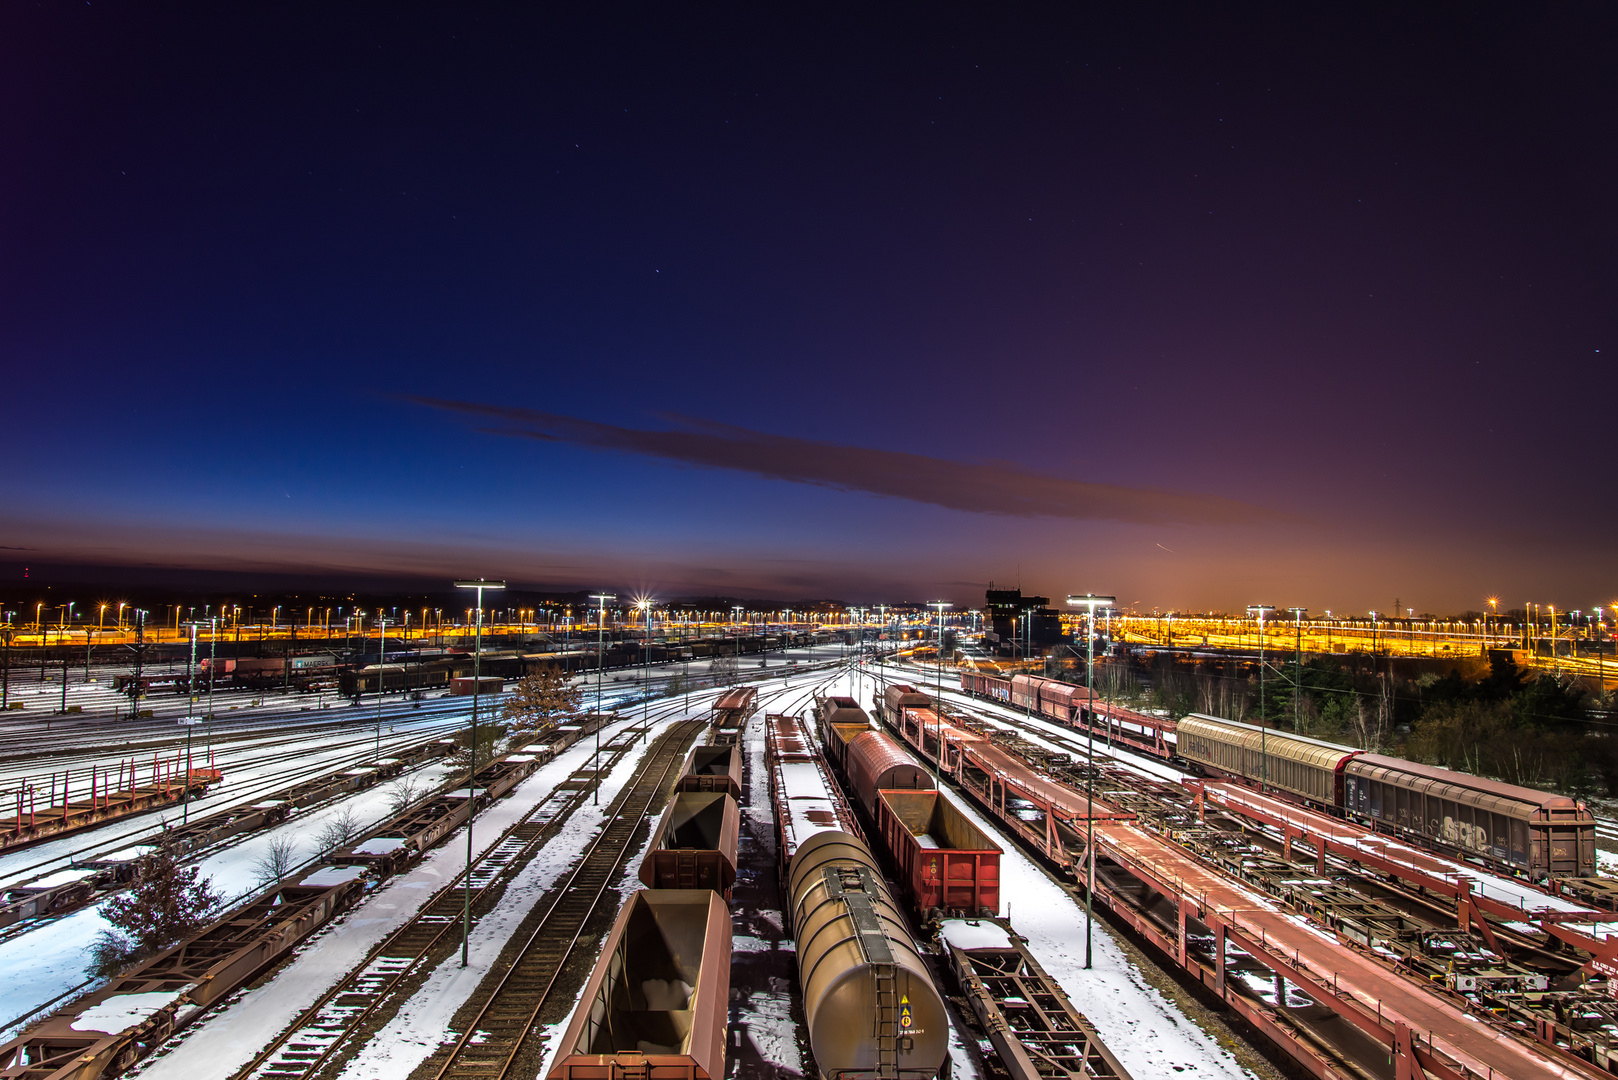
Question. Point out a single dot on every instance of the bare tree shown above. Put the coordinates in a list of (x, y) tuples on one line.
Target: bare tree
[(403, 793), (338, 830), (277, 861)]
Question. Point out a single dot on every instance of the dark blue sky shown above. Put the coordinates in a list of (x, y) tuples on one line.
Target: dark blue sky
[(1200, 307)]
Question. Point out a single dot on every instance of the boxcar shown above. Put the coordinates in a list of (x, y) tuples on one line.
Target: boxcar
[(947, 864), (988, 686), (694, 846), (658, 1000), (712, 768), (1025, 691), (1308, 768), (1540, 834)]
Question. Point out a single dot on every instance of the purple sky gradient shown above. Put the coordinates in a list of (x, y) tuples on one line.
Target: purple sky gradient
[(1197, 307)]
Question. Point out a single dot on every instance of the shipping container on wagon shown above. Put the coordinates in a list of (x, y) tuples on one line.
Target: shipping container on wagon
[(712, 768), (946, 864), (694, 845), (657, 1003), (1536, 832), (870, 1005), (1308, 768)]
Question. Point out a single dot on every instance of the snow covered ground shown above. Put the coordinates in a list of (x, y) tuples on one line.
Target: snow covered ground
[(49, 960), (1145, 1029), (422, 1024), (229, 1038)]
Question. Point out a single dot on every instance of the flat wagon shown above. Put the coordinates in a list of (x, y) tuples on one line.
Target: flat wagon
[(657, 1003)]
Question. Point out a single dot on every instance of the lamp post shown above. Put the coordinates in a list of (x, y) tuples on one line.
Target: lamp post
[(1090, 601), (1262, 610), (646, 666), (1297, 668), (190, 702), (472, 772), (601, 661), (940, 605), (735, 615), (381, 666), (213, 673)]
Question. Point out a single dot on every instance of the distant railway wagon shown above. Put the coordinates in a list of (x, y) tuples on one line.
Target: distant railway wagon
[(712, 768), (656, 1005), (988, 686), (1532, 832), (1307, 768), (1536, 832), (694, 844), (947, 864), (730, 712)]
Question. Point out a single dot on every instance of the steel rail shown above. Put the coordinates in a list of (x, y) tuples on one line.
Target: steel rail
[(526, 985), (403, 951)]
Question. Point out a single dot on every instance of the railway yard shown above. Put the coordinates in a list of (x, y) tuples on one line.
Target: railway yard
[(847, 867)]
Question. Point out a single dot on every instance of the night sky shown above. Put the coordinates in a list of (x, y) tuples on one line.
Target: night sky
[(1201, 307)]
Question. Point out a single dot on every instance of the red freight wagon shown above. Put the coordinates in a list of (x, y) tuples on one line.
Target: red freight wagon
[(694, 846), (712, 768), (947, 865), (1025, 691), (658, 1000)]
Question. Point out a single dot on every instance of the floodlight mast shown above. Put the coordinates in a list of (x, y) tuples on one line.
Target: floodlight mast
[(1090, 601), (601, 660), (472, 772), (1262, 610)]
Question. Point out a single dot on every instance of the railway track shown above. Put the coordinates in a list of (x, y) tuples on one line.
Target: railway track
[(488, 1046), (52, 853), (327, 1030)]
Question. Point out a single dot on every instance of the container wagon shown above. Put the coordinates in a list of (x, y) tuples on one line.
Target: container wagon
[(694, 845), (657, 1003)]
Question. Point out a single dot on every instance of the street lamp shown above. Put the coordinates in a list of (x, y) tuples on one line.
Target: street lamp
[(1297, 669), (601, 662), (1090, 601), (645, 606), (1262, 610), (472, 772)]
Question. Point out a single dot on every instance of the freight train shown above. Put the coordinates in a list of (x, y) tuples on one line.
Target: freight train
[(869, 1002), (1534, 833), (946, 864), (657, 1003)]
